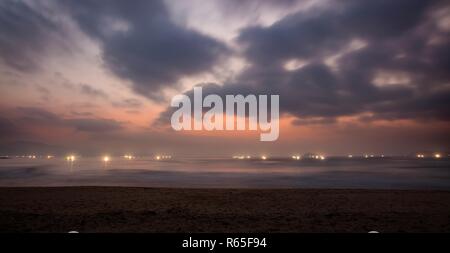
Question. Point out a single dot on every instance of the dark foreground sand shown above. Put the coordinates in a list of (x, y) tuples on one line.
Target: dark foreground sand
[(119, 209)]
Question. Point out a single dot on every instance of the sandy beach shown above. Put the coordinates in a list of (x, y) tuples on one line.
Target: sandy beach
[(124, 209)]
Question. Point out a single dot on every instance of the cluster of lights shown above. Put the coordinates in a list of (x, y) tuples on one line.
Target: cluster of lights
[(34, 156), (163, 157), (129, 157), (436, 155), (70, 158), (241, 157), (317, 157), (372, 156)]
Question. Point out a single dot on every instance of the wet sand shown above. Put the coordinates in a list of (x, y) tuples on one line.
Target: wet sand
[(126, 209)]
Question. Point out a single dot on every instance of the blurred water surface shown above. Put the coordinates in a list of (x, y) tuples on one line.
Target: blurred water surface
[(343, 172)]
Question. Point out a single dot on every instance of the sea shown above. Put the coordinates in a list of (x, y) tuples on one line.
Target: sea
[(189, 172)]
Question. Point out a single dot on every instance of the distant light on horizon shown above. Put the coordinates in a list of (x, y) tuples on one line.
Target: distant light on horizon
[(263, 157), (296, 157), (163, 157), (70, 158), (437, 155), (319, 157), (241, 157), (129, 157), (106, 159)]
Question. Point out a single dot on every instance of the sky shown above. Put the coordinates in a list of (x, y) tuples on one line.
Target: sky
[(354, 76)]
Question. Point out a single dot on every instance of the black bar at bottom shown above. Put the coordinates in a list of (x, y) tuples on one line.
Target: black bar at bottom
[(206, 242)]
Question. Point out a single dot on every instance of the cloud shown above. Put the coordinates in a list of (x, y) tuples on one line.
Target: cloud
[(7, 129), (141, 44), (83, 114), (25, 33), (35, 114), (94, 125), (387, 58), (344, 47), (92, 92), (252, 7), (128, 103), (323, 31), (35, 117), (314, 121)]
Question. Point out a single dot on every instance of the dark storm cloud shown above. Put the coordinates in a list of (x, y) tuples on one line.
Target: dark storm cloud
[(38, 117), (244, 7), (140, 43), (394, 36), (138, 40), (24, 34), (324, 31)]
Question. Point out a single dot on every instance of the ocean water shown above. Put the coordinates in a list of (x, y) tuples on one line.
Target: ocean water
[(371, 173)]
